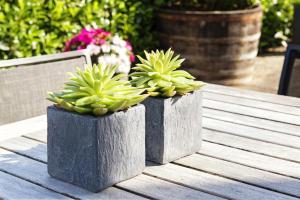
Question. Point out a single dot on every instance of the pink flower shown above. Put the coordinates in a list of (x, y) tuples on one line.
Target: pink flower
[(80, 47), (72, 43), (86, 37), (99, 38), (68, 45), (101, 41), (132, 58), (128, 46), (98, 31), (106, 34)]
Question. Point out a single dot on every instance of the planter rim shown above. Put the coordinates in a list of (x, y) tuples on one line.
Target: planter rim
[(176, 95), (255, 9), (54, 107)]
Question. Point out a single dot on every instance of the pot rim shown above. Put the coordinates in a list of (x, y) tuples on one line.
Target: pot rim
[(255, 9)]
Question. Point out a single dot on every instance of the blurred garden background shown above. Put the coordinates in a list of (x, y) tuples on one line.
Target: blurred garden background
[(37, 27)]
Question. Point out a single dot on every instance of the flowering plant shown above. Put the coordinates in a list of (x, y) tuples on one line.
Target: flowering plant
[(106, 49)]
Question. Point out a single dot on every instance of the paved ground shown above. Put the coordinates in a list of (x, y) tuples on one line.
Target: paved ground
[(267, 73)]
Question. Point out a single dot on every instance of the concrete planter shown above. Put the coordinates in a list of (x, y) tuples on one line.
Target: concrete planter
[(96, 152), (173, 127)]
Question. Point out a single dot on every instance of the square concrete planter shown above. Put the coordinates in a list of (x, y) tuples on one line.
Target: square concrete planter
[(96, 152), (173, 127)]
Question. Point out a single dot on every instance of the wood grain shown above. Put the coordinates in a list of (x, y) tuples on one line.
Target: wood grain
[(23, 127), (252, 121), (15, 188), (252, 132), (242, 173), (40, 135), (36, 172), (254, 112), (160, 189), (250, 94), (213, 184), (27, 147), (250, 159), (252, 103), (265, 148)]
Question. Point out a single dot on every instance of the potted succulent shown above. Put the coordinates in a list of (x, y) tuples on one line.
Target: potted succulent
[(106, 48), (96, 136), (218, 38), (174, 110)]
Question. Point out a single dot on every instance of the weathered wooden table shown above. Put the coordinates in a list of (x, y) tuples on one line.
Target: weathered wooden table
[(251, 150)]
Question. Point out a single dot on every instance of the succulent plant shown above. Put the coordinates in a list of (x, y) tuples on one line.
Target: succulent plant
[(95, 90), (158, 75)]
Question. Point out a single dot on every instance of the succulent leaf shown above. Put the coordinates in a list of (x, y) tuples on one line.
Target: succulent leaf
[(95, 90), (158, 74)]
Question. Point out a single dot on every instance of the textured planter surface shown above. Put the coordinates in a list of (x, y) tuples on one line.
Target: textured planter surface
[(173, 127), (219, 46), (95, 153)]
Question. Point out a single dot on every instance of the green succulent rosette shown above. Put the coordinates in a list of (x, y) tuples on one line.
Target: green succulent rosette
[(158, 74), (95, 90)]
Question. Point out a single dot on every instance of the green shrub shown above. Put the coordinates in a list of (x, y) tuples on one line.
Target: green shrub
[(277, 23), (34, 27)]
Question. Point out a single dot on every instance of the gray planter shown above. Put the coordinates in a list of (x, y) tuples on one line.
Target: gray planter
[(96, 152), (173, 127)]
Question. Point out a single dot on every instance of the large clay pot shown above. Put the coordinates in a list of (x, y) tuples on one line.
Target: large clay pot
[(219, 46)]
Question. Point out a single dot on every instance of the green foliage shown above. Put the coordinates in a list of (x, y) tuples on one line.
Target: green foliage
[(157, 73), (277, 23), (34, 27), (209, 5), (96, 90)]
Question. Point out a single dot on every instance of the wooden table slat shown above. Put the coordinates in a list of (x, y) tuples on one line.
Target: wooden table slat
[(252, 103), (22, 127), (12, 187), (252, 121), (258, 161), (255, 146), (214, 184), (249, 111), (242, 173), (36, 172), (250, 94), (40, 135), (27, 147), (252, 132), (161, 189)]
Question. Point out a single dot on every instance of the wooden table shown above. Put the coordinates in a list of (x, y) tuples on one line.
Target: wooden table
[(251, 150)]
